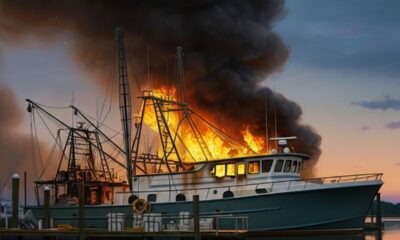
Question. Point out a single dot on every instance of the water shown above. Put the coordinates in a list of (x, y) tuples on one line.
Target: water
[(391, 232)]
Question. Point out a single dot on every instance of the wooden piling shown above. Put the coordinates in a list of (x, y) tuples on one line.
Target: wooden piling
[(81, 210), (15, 200), (196, 217), (25, 189), (378, 211), (46, 207)]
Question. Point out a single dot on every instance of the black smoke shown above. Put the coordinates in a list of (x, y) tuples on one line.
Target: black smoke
[(230, 48)]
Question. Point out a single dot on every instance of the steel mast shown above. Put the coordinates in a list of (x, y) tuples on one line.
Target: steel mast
[(125, 102), (180, 75)]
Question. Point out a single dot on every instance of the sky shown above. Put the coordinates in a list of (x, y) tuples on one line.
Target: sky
[(343, 70)]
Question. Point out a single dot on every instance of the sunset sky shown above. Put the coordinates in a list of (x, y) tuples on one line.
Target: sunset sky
[(343, 70)]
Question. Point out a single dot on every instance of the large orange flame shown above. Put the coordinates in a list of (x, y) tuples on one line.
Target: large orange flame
[(188, 145)]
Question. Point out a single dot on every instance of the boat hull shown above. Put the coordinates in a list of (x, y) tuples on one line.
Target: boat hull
[(335, 208)]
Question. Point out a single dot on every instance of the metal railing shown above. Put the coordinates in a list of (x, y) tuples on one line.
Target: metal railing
[(275, 186)]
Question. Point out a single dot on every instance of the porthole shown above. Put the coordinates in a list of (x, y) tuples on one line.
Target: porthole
[(228, 194), (152, 197), (180, 197), (132, 198)]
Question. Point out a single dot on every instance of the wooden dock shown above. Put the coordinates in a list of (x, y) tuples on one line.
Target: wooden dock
[(103, 233)]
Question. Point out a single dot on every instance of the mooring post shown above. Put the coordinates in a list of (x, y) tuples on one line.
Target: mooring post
[(378, 211), (24, 189), (46, 207), (81, 210), (15, 200), (196, 217)]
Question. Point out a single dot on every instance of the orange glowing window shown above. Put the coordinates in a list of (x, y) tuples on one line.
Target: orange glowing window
[(254, 167), (231, 169), (241, 168), (220, 170)]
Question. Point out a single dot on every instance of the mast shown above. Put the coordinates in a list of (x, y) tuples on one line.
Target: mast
[(124, 102), (180, 75)]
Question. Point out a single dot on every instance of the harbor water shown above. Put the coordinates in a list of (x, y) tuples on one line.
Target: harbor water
[(391, 232)]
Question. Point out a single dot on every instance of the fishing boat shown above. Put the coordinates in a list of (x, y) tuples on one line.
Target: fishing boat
[(265, 188)]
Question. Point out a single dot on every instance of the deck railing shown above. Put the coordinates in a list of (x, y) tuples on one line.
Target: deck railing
[(275, 186)]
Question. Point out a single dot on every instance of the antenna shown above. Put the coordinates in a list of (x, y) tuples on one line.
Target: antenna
[(148, 67), (275, 122), (266, 121), (282, 142)]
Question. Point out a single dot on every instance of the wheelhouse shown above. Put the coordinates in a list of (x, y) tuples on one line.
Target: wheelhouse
[(289, 165)]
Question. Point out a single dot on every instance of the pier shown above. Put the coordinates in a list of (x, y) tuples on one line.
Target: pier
[(189, 227)]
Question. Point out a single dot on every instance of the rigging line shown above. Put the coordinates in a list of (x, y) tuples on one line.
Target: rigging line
[(227, 137), (135, 78), (153, 142), (33, 149), (48, 129), (54, 138), (110, 138), (37, 141), (8, 178), (50, 157), (54, 107), (187, 149), (108, 85), (106, 126)]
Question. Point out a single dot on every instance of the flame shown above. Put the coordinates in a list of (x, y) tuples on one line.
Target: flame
[(186, 142), (254, 142)]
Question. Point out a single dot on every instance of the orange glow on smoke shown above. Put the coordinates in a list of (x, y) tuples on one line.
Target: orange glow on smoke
[(190, 150)]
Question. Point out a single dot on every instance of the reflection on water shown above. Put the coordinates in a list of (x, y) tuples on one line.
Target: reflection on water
[(391, 232)]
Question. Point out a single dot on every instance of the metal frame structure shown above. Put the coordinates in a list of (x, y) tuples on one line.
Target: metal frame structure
[(78, 164), (170, 138)]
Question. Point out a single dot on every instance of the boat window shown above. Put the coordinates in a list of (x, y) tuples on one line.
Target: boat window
[(231, 169), (288, 165), (152, 197), (266, 165), (299, 167), (228, 194), (294, 166), (132, 198), (180, 197), (278, 166), (241, 168), (254, 167), (220, 170)]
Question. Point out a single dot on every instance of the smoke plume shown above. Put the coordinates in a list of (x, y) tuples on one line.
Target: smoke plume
[(230, 49), (15, 148)]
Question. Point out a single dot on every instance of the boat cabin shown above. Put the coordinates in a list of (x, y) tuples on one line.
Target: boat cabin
[(277, 165)]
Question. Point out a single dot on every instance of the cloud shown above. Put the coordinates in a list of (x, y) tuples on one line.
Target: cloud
[(397, 164), (393, 125), (365, 128), (386, 103)]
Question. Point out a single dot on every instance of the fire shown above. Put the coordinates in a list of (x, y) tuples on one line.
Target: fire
[(186, 142), (255, 143)]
